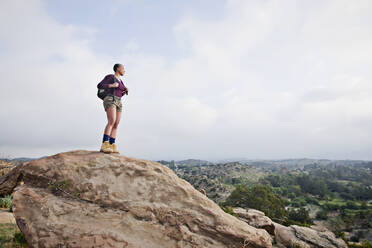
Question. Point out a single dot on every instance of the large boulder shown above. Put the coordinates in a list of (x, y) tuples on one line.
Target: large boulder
[(256, 218), (9, 174), (5, 167), (86, 198), (293, 235), (305, 237)]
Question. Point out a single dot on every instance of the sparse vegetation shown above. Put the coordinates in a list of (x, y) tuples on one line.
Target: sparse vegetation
[(6, 202), (334, 192), (259, 197), (11, 236), (228, 209)]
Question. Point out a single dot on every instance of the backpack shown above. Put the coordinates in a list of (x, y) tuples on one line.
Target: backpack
[(102, 93)]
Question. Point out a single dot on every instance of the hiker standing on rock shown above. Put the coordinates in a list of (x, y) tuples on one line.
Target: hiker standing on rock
[(112, 104)]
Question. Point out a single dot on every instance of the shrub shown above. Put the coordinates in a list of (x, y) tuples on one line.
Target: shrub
[(259, 197), (6, 202), (229, 210), (301, 215), (322, 215)]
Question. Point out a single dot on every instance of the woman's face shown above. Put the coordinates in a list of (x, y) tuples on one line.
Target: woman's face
[(121, 70)]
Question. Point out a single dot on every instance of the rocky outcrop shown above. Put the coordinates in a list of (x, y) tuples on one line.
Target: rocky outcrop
[(86, 198), (5, 167), (9, 178), (256, 218), (290, 236)]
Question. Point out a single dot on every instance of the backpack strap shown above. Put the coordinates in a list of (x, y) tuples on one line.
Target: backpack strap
[(111, 92)]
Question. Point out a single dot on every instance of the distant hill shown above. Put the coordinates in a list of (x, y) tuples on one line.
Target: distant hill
[(19, 159), (193, 162), (219, 179), (267, 165)]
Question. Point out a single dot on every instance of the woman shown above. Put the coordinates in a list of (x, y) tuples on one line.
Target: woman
[(113, 106)]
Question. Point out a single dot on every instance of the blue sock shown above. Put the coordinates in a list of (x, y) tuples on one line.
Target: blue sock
[(112, 140), (105, 137)]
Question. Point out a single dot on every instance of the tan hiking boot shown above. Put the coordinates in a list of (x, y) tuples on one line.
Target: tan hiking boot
[(114, 150), (106, 147)]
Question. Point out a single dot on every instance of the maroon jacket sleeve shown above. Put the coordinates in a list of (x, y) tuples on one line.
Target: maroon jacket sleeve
[(104, 84)]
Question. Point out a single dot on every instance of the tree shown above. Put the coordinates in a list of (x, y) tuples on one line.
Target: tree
[(259, 197), (300, 215)]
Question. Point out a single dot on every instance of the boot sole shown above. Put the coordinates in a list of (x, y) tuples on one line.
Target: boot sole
[(105, 151)]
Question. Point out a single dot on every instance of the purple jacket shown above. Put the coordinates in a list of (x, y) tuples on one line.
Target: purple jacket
[(109, 79)]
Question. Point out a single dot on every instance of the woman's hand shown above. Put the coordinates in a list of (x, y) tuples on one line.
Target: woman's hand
[(114, 85)]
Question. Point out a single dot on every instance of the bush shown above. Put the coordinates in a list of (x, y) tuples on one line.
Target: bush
[(229, 210), (6, 202), (286, 202), (322, 215), (10, 236), (19, 238), (311, 200), (301, 215), (259, 197), (298, 202), (352, 205), (364, 244), (332, 206)]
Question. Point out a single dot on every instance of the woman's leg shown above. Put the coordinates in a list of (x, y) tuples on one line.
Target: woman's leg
[(115, 125), (111, 118)]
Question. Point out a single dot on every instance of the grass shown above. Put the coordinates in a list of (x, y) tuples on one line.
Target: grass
[(11, 236), (6, 202), (229, 210), (336, 201), (340, 202)]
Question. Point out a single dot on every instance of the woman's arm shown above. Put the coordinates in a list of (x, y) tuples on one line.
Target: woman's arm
[(105, 83)]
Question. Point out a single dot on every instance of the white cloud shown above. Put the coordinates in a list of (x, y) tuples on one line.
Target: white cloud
[(269, 79)]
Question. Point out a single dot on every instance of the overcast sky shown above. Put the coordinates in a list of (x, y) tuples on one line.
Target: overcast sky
[(209, 79)]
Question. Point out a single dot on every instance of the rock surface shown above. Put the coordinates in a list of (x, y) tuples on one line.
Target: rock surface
[(290, 236), (86, 198), (6, 217), (322, 239), (8, 179), (256, 218), (287, 236), (5, 167)]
